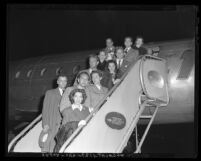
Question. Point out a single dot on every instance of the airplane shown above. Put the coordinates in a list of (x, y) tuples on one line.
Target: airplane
[(30, 78)]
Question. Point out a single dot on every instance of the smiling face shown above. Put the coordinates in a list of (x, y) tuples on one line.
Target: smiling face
[(139, 42), (62, 82), (96, 78), (78, 98), (109, 43), (111, 67), (93, 62), (128, 42), (102, 56), (83, 80), (120, 53)]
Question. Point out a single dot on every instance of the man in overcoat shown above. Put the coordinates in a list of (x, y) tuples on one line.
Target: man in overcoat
[(51, 117)]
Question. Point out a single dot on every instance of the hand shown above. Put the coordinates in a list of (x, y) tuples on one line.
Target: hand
[(91, 109), (44, 138), (46, 128), (116, 81), (82, 123)]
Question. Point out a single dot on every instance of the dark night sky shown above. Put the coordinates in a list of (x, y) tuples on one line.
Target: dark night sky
[(35, 30)]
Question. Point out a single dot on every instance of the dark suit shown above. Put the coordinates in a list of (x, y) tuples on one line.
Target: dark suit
[(107, 80), (108, 77), (102, 66), (51, 116), (130, 57), (141, 50), (96, 94)]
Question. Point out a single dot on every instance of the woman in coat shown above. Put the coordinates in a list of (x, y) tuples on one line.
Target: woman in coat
[(97, 91), (110, 76), (73, 117)]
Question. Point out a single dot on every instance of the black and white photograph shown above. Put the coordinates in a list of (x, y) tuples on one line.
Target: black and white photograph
[(102, 79)]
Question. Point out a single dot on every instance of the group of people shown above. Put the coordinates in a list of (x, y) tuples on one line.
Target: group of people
[(65, 109)]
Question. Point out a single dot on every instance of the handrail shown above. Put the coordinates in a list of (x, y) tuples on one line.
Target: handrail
[(23, 132), (131, 127), (146, 130), (101, 102)]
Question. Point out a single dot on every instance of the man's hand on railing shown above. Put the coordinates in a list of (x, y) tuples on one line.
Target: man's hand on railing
[(116, 81), (91, 109), (82, 123)]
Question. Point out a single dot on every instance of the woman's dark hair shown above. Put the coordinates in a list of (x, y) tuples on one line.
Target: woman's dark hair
[(72, 94), (112, 61)]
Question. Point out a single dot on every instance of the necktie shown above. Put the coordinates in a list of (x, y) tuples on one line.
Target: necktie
[(62, 92)]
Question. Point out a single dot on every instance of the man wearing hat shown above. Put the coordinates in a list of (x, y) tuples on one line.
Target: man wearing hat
[(51, 117)]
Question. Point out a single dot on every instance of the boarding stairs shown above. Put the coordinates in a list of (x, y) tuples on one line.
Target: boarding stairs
[(113, 120)]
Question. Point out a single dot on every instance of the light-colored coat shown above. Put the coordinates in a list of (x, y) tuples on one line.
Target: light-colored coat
[(51, 116), (96, 95)]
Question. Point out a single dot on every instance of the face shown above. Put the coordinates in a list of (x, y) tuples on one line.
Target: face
[(83, 80), (109, 43), (62, 82), (128, 42), (120, 54), (96, 78), (111, 67), (139, 42), (102, 56), (78, 98), (93, 62)]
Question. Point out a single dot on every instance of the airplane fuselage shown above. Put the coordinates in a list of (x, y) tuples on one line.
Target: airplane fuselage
[(29, 79)]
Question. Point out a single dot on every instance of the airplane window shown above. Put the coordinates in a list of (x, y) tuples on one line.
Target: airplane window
[(17, 74), (187, 64), (58, 71), (76, 69), (29, 73), (42, 71)]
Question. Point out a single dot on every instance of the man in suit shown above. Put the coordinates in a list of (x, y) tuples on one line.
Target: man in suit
[(138, 46), (51, 117), (93, 62), (83, 81), (130, 53), (120, 61), (110, 49)]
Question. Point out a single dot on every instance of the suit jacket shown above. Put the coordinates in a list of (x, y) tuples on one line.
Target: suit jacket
[(107, 79), (130, 57), (51, 115), (141, 50), (102, 66), (65, 101), (124, 66), (96, 95)]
